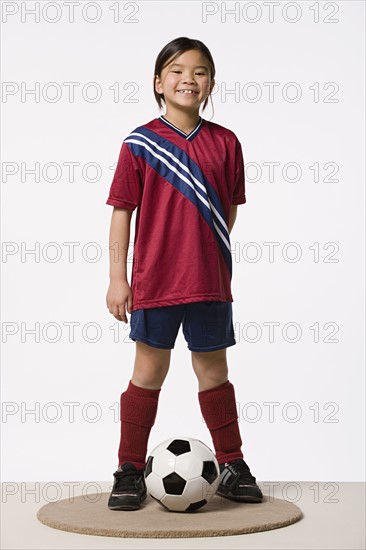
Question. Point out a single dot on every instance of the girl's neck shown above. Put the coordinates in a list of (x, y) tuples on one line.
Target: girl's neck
[(183, 120)]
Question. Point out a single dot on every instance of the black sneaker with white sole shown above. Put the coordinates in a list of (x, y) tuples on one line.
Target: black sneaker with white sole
[(129, 488), (237, 482)]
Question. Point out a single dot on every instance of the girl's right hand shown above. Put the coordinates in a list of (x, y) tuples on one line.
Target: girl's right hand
[(119, 296)]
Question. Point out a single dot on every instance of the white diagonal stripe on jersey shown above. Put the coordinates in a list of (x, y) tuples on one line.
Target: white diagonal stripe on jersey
[(167, 163), (177, 161), (184, 167), (208, 203), (221, 235)]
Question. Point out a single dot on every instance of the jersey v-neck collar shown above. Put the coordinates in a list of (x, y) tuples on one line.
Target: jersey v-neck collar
[(188, 137)]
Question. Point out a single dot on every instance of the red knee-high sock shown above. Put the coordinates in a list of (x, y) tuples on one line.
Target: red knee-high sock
[(138, 412), (218, 408)]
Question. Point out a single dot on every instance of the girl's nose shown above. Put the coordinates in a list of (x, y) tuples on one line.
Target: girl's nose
[(189, 79)]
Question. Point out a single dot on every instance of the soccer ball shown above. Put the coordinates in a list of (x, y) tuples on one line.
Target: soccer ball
[(182, 474)]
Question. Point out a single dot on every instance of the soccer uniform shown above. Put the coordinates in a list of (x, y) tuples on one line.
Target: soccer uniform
[(183, 186)]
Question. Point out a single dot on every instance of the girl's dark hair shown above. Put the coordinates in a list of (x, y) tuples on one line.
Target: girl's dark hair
[(172, 50)]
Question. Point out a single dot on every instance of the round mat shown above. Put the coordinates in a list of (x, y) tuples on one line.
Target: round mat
[(220, 517)]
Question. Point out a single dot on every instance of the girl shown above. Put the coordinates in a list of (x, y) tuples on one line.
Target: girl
[(185, 176)]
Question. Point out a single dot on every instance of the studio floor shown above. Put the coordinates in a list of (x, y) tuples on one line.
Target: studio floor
[(334, 519)]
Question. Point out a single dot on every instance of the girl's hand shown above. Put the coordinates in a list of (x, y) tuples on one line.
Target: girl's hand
[(119, 296)]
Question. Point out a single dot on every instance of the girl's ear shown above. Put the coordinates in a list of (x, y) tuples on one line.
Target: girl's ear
[(157, 84)]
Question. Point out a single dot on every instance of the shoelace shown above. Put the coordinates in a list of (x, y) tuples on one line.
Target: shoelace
[(124, 479), (240, 467)]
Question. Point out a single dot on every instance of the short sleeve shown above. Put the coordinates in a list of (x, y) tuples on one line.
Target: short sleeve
[(127, 184), (239, 187)]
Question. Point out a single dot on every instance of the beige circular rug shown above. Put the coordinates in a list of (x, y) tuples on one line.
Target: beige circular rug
[(220, 517)]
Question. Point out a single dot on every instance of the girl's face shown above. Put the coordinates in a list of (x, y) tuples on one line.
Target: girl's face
[(188, 71)]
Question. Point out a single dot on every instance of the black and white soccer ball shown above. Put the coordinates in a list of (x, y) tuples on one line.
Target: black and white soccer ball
[(182, 474)]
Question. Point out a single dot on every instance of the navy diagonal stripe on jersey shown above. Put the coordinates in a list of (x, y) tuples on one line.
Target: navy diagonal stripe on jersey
[(189, 169), (179, 175), (159, 158), (165, 157)]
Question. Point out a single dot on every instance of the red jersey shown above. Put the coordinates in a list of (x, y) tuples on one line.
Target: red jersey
[(183, 186)]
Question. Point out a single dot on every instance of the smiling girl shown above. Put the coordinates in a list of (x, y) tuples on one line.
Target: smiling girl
[(185, 176)]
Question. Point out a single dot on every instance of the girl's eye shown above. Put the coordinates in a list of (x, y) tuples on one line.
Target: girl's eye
[(196, 73)]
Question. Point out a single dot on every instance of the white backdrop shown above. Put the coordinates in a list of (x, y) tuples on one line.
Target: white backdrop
[(298, 245)]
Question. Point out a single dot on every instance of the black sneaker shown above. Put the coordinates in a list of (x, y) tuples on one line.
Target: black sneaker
[(129, 488), (237, 483)]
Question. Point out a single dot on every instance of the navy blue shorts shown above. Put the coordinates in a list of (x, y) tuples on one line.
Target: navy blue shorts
[(207, 326)]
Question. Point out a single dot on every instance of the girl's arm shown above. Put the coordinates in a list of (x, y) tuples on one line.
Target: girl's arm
[(232, 218), (119, 239), (119, 292)]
